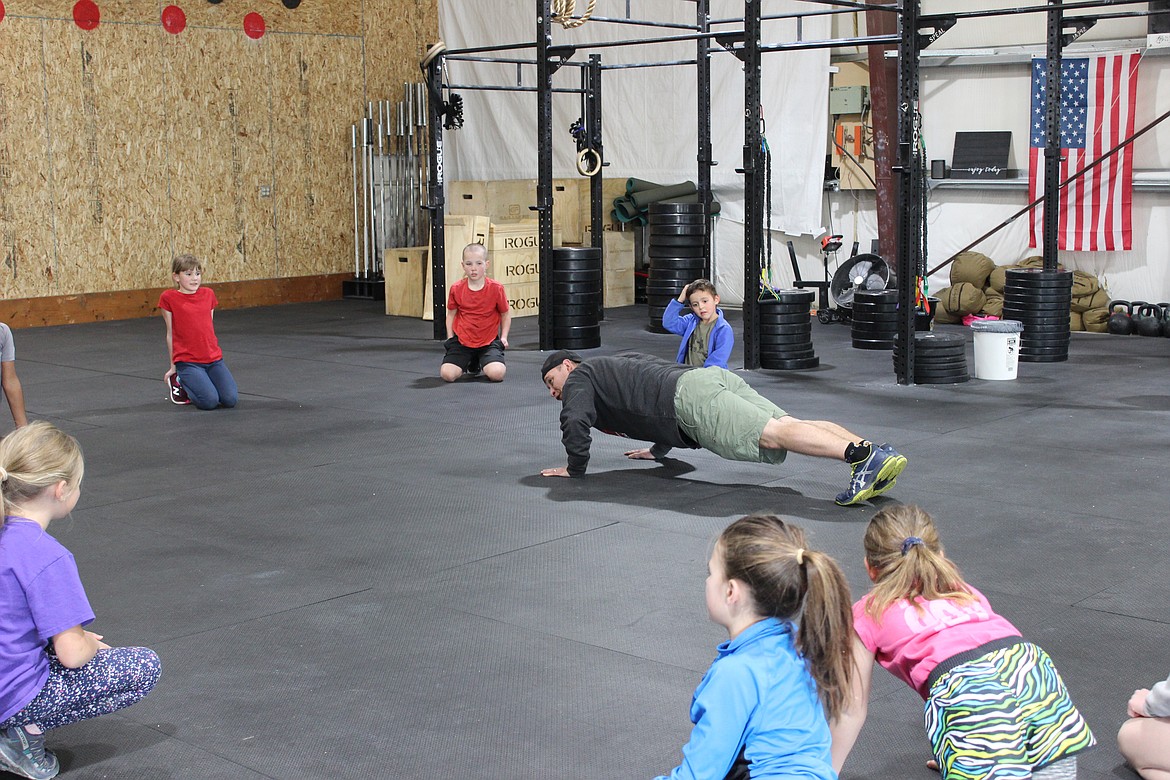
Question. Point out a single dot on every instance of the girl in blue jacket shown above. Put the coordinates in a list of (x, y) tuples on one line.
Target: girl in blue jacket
[(761, 709), (707, 339)]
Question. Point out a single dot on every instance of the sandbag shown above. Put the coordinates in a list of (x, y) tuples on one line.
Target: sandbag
[(941, 315), (1035, 261), (998, 277), (1075, 322), (993, 303), (1096, 300), (973, 268), (1096, 320), (1084, 284), (962, 298)]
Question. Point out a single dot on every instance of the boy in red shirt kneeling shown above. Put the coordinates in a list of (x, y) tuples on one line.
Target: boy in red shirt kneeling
[(478, 320)]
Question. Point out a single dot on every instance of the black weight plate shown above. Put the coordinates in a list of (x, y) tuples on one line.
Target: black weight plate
[(1031, 331), (790, 365), (670, 277), (883, 317), (576, 288), (1053, 342), (576, 265), (1031, 289), (774, 355), (790, 342), (936, 339), (655, 221), (675, 266), (787, 330), (875, 308), (654, 252), (785, 319), (576, 299), (576, 253), (1036, 316), (576, 331), (561, 321), (783, 309), (1035, 275), (572, 310), (593, 275), (1043, 349), (1044, 358), (1032, 302), (938, 358), (871, 330), (656, 240), (876, 296), (874, 344), (780, 297), (959, 366), (675, 230), (672, 207)]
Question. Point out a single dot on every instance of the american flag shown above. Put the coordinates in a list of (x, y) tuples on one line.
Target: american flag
[(1097, 97)]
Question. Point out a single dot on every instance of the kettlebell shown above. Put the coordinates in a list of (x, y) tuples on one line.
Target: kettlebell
[(1135, 313), (1120, 323), (1150, 323), (1165, 307)]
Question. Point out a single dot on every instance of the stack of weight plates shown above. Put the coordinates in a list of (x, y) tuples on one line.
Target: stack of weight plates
[(875, 319), (576, 304), (939, 358), (1040, 300), (786, 330), (675, 253)]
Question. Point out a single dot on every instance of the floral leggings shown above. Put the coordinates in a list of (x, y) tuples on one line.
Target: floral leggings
[(113, 679)]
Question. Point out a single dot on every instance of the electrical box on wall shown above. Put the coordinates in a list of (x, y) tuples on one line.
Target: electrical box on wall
[(847, 100)]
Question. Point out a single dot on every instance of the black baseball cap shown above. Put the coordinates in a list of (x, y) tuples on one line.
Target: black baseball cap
[(556, 358)]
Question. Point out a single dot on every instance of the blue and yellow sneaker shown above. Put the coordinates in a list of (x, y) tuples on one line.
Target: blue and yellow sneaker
[(874, 475)]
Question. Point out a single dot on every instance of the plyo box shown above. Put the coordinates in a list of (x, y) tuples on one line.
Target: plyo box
[(618, 262), (514, 254), (511, 200), (459, 230), (405, 271)]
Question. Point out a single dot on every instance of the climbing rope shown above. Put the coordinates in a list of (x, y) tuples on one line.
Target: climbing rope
[(563, 10)]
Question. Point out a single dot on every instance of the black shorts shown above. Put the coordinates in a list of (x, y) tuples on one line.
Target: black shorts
[(472, 358)]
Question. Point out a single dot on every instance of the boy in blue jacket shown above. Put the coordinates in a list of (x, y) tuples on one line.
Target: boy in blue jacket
[(706, 337)]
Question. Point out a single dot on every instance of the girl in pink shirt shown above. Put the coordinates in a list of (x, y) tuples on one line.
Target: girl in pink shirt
[(995, 704)]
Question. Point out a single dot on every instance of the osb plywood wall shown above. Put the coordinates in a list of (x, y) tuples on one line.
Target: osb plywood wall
[(125, 144)]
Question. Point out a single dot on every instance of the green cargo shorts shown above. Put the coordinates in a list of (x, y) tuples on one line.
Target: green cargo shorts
[(723, 414)]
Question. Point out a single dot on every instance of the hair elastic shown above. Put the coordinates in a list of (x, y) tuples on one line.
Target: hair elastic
[(909, 542), (800, 557)]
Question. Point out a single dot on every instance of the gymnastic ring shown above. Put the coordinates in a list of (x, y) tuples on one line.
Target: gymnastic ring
[(591, 171), (432, 52)]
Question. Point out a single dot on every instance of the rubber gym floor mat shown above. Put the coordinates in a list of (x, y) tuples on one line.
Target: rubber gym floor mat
[(394, 689), (360, 573)]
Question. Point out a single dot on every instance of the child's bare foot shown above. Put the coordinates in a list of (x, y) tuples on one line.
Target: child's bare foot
[(932, 764)]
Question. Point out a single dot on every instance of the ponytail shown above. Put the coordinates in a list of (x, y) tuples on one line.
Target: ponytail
[(902, 545), (825, 637), (795, 584)]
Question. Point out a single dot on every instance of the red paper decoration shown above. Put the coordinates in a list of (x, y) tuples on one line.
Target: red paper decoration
[(254, 25), (174, 20), (86, 14), (1, 10)]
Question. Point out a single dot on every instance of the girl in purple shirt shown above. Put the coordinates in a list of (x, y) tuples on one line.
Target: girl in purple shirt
[(52, 671)]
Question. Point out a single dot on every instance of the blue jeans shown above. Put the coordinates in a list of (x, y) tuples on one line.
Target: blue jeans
[(208, 385)]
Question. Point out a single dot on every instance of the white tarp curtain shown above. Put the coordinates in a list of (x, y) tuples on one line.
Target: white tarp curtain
[(649, 115)]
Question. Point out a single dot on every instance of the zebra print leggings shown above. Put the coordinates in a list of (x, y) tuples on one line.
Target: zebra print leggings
[(1003, 715)]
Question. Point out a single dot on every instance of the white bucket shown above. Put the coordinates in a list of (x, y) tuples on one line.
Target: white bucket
[(997, 352)]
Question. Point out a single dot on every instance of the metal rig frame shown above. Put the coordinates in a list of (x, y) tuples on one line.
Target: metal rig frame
[(915, 32)]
